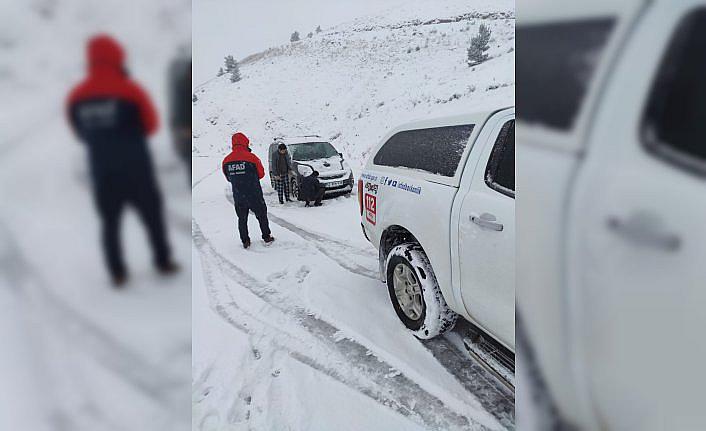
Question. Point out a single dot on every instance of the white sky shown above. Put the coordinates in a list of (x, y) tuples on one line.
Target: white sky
[(244, 27)]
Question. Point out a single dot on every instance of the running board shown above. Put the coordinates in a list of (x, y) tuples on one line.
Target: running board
[(497, 359)]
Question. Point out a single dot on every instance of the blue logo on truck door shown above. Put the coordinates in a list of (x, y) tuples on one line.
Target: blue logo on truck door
[(398, 184)]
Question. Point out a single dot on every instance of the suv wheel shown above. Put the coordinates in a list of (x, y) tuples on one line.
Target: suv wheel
[(415, 293)]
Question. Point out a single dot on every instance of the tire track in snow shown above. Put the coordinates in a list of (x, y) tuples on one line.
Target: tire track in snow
[(473, 377), (197, 182), (369, 375), (492, 395), (336, 250), (113, 355)]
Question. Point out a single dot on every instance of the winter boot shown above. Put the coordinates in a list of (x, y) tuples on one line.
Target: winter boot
[(119, 281), (168, 268), (269, 239)]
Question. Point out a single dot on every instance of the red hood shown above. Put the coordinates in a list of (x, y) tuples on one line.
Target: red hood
[(240, 140), (105, 53)]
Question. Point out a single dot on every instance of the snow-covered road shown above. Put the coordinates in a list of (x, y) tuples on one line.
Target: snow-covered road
[(314, 297), (92, 358)]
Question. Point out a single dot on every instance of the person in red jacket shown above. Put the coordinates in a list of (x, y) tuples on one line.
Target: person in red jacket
[(112, 115), (244, 170)]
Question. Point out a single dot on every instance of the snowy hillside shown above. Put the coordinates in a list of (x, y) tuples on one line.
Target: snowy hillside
[(301, 334), (353, 82)]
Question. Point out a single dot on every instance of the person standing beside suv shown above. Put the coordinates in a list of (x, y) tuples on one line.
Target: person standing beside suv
[(244, 170), (281, 165)]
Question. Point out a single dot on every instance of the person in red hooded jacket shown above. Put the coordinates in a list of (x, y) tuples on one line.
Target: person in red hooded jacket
[(112, 115), (244, 170)]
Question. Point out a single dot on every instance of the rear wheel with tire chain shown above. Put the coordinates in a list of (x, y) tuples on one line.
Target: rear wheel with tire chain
[(415, 293)]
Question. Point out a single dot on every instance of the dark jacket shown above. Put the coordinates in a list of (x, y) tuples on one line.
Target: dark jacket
[(310, 187), (275, 163), (244, 170), (111, 113)]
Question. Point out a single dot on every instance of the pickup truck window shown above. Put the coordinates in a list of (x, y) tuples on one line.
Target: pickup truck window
[(436, 150), (674, 124), (500, 171), (555, 63)]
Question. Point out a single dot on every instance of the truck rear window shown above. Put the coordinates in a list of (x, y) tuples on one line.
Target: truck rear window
[(554, 66), (436, 150)]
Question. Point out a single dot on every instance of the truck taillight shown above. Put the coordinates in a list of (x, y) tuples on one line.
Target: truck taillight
[(360, 196)]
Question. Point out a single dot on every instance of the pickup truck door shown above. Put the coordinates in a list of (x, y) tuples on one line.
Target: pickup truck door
[(636, 232), (486, 230)]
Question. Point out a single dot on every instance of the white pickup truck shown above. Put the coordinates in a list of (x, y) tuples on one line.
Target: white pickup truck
[(437, 200), (611, 162)]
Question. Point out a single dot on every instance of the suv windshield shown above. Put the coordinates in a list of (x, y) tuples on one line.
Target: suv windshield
[(312, 151)]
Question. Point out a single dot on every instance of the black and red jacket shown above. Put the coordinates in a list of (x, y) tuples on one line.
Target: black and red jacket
[(110, 112), (244, 170)]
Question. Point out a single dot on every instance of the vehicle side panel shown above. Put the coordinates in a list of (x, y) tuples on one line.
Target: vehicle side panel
[(422, 207)]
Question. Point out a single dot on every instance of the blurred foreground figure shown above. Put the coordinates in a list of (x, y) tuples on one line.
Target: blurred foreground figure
[(244, 170), (113, 116), (611, 166), (180, 109)]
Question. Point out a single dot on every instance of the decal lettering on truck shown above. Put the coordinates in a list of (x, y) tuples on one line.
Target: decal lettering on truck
[(370, 177), (410, 188), (370, 208)]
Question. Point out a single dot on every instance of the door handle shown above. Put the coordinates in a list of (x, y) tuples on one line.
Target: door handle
[(644, 229), (487, 221)]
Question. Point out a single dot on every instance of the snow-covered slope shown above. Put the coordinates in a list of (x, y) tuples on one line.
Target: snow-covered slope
[(353, 82)]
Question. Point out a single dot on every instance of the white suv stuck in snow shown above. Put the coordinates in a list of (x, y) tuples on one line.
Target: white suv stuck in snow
[(437, 200)]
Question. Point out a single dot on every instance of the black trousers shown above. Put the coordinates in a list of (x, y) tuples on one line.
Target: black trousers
[(111, 194), (318, 196), (259, 208)]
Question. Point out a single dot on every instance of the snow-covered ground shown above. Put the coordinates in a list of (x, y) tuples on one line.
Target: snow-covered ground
[(301, 335), (79, 355)]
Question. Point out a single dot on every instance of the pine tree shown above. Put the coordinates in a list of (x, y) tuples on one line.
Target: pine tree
[(229, 63), (235, 72), (318, 29), (294, 37), (310, 35), (220, 72), (479, 45)]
